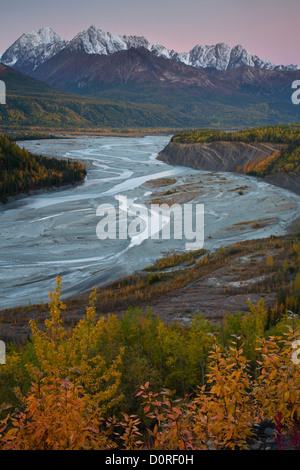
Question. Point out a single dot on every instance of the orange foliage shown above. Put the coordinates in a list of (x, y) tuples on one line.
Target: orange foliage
[(57, 417), (261, 164)]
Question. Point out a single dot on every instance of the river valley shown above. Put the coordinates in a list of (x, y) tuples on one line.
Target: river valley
[(53, 232)]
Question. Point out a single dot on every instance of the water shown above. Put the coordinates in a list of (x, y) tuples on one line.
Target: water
[(54, 233)]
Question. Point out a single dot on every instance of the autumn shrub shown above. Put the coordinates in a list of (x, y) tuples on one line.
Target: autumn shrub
[(224, 413), (75, 355), (57, 416), (221, 415), (80, 388), (277, 389)]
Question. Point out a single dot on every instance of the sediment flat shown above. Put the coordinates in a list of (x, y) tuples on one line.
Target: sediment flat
[(227, 156)]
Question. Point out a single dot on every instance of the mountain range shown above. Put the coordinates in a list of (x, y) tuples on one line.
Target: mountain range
[(33, 49), (99, 79)]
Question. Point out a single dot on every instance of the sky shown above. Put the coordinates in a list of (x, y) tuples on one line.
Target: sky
[(267, 28)]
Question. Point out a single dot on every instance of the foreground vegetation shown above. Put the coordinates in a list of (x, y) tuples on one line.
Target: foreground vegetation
[(286, 160), (23, 171), (136, 382), (83, 389)]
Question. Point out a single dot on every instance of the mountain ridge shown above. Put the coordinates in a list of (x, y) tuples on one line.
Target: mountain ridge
[(32, 49)]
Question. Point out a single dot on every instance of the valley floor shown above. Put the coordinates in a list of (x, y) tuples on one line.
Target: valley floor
[(179, 286)]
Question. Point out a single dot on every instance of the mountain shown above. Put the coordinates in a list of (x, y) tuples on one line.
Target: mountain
[(137, 87), (130, 71), (239, 97), (33, 49), (84, 73)]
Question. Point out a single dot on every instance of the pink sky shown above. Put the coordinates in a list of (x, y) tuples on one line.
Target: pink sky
[(268, 28)]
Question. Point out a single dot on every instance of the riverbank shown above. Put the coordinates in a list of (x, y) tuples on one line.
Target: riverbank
[(228, 157), (289, 181), (88, 165), (23, 171), (37, 134)]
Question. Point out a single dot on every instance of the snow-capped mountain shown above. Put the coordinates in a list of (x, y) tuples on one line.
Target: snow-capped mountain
[(96, 41), (33, 49), (223, 57)]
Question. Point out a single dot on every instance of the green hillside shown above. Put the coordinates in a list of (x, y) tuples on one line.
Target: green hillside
[(33, 104)]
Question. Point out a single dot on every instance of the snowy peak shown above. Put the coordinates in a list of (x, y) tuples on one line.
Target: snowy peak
[(45, 36), (32, 49), (95, 41), (223, 57), (48, 36), (217, 56)]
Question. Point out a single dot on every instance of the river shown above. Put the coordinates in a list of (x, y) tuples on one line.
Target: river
[(54, 232)]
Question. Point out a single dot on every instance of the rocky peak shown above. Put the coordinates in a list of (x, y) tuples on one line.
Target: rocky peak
[(95, 41), (31, 49), (136, 41)]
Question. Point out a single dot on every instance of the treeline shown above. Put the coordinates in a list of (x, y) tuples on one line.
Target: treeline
[(286, 134), (23, 171), (27, 135), (80, 388)]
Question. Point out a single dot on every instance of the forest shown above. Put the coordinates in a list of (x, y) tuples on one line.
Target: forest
[(22, 171)]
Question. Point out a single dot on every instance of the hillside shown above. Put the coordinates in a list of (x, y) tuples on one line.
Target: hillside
[(32, 104), (22, 171)]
